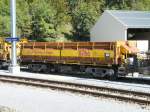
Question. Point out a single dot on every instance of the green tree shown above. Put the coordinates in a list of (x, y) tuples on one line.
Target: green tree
[(4, 18), (48, 17), (57, 18), (23, 19), (119, 4), (141, 5), (43, 17), (84, 17), (61, 17)]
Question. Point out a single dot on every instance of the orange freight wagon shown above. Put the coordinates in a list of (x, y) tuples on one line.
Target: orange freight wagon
[(99, 57)]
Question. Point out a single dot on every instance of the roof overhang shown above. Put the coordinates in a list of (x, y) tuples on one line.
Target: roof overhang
[(131, 19)]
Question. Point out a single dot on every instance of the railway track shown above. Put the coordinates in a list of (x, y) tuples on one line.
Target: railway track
[(125, 95)]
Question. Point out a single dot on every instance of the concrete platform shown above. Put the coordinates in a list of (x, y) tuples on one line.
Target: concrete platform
[(96, 82)]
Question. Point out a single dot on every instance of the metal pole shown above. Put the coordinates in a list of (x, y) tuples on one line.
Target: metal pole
[(13, 67), (13, 31)]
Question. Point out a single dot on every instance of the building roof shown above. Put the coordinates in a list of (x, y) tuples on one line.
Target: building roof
[(132, 19)]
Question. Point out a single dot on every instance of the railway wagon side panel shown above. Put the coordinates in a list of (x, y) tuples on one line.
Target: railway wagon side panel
[(87, 56), (103, 53), (69, 53), (100, 53), (40, 52), (105, 57), (26, 53), (87, 53), (69, 56), (4, 51)]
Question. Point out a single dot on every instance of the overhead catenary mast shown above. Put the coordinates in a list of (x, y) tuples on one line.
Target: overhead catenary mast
[(13, 68)]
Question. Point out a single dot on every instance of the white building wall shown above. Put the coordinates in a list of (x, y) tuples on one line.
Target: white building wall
[(142, 45), (108, 29)]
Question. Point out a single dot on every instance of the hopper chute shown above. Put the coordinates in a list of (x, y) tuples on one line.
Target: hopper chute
[(129, 47)]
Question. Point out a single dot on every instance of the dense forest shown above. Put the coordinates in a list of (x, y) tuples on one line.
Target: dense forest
[(60, 20)]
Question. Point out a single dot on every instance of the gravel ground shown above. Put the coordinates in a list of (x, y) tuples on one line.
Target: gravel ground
[(32, 99), (6, 109)]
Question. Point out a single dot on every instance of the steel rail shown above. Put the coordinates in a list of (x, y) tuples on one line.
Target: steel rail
[(121, 94)]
